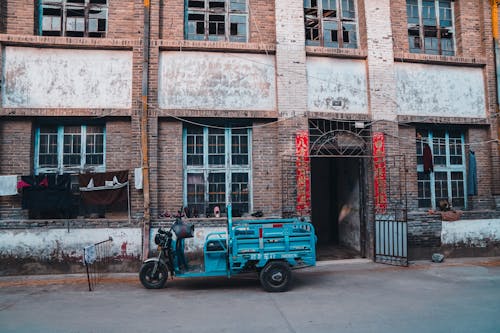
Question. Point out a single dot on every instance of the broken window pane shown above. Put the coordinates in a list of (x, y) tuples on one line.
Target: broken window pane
[(323, 23), (431, 24), (215, 20), (74, 18)]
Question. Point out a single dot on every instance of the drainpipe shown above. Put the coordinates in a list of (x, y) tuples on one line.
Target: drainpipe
[(144, 132), (494, 22)]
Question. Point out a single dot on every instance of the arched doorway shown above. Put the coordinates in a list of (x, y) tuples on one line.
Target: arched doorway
[(339, 164)]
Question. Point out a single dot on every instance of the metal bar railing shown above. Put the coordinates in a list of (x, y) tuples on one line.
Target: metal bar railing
[(96, 257)]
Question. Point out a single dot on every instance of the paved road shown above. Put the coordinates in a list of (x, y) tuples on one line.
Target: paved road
[(455, 296)]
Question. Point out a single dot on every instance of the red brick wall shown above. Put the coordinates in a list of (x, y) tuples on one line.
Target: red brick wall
[(19, 17), (16, 151), (170, 173), (266, 169)]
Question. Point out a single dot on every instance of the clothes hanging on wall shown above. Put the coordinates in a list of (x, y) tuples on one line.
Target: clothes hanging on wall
[(472, 174), (47, 196), (427, 157), (104, 188), (8, 185)]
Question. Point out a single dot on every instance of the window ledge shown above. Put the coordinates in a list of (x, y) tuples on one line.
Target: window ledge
[(89, 42), (439, 59), (335, 52), (214, 46)]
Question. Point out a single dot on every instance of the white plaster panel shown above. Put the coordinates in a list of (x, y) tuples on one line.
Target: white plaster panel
[(473, 233), (64, 78), (443, 91), (331, 80), (57, 244), (195, 243), (216, 81)]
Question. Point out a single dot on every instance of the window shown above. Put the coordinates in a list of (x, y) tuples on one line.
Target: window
[(69, 149), (447, 181), (331, 23), (216, 20), (73, 18), (430, 26), (217, 169)]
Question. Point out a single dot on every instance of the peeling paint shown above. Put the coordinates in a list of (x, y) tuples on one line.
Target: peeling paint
[(59, 245), (441, 91), (471, 233), (216, 81), (62, 78), (337, 85)]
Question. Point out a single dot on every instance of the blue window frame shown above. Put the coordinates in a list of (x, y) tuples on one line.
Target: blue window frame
[(448, 180), (70, 148), (217, 169), (431, 26), (216, 20)]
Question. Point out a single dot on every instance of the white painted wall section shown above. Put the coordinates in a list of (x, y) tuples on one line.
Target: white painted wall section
[(64, 78), (336, 81), (216, 81), (441, 91), (57, 244), (471, 233)]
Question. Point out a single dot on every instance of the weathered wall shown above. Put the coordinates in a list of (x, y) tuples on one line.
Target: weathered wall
[(55, 246), (217, 81), (433, 90), (331, 80), (471, 233), (53, 78)]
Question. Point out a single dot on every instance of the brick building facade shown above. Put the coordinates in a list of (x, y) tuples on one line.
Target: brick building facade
[(230, 84)]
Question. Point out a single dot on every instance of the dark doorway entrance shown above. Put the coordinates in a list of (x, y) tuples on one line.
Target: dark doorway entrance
[(337, 206)]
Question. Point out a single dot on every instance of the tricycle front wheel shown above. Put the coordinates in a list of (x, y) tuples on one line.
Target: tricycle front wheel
[(152, 278), (276, 276)]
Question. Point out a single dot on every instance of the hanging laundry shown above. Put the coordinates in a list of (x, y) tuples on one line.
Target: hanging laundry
[(8, 185), (472, 174), (104, 188), (47, 196), (427, 156)]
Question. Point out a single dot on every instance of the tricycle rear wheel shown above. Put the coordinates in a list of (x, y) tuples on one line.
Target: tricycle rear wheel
[(276, 276), (152, 279)]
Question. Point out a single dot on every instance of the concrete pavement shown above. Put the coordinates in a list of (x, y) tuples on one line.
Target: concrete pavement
[(458, 295)]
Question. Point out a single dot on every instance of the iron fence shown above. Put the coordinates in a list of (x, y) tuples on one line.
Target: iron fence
[(96, 257)]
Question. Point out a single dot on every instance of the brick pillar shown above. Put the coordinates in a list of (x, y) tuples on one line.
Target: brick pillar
[(291, 81)]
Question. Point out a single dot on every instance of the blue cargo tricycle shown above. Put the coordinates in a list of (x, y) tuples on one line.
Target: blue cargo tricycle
[(270, 247)]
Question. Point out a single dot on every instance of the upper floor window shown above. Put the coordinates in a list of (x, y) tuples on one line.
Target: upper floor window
[(431, 26), (69, 149), (73, 18), (217, 170), (331, 23), (441, 168), (216, 20)]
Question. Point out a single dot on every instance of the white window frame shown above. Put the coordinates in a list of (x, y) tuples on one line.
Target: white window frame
[(228, 168), (448, 168), (60, 169)]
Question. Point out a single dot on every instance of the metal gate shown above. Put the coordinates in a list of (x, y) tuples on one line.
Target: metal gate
[(390, 223)]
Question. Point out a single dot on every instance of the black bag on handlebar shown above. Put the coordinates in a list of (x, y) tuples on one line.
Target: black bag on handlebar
[(183, 230)]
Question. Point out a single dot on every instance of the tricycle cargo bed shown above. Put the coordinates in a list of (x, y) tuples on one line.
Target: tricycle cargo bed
[(292, 240)]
